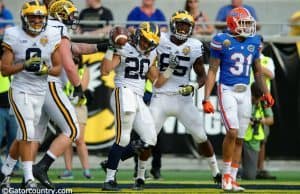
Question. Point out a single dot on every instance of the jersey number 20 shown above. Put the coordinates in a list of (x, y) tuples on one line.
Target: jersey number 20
[(136, 70)]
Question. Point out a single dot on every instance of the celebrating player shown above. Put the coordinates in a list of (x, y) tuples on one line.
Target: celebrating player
[(235, 51), (133, 63), (30, 53), (173, 97)]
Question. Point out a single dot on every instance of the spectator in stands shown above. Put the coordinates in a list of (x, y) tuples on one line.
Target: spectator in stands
[(146, 12), (224, 11), (8, 125), (200, 17), (5, 14), (82, 114), (261, 117), (95, 12), (295, 24)]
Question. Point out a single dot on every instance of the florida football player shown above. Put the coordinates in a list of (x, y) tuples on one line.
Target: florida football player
[(234, 52), (173, 97), (30, 54)]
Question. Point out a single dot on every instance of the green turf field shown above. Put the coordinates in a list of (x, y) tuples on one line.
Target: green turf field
[(174, 182)]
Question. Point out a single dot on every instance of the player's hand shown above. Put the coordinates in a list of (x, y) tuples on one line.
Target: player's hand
[(33, 64), (186, 90), (268, 99), (43, 69), (147, 97), (78, 98), (207, 106), (173, 61)]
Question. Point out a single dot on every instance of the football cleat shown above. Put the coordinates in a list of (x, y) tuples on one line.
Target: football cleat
[(41, 175), (226, 182), (236, 187), (110, 186), (30, 184), (155, 173), (218, 179), (103, 165), (139, 184)]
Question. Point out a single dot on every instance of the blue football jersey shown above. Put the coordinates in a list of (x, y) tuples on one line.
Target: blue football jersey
[(236, 57)]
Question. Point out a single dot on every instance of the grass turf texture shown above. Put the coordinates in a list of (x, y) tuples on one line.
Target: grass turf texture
[(181, 181)]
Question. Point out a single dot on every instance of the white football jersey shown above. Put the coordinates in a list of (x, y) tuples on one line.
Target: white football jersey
[(133, 68), (24, 47), (62, 78), (187, 54)]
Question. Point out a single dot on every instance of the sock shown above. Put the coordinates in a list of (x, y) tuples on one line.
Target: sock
[(213, 165), (128, 152), (27, 168), (47, 160), (234, 171), (141, 169), (8, 165), (114, 156), (110, 175), (226, 167), (86, 171)]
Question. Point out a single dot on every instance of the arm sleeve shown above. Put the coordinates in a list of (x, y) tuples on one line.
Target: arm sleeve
[(216, 47)]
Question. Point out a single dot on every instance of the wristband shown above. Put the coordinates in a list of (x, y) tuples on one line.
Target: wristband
[(109, 54), (167, 74)]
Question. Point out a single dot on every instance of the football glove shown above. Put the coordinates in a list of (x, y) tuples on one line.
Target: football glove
[(43, 69), (173, 61), (186, 90), (147, 97), (77, 97), (268, 99), (207, 106), (33, 64)]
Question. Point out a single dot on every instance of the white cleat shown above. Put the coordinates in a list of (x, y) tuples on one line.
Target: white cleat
[(227, 182), (236, 187)]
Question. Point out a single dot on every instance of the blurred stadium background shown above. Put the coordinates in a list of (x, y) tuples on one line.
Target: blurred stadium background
[(180, 159)]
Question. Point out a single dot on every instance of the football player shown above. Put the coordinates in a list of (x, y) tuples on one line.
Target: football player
[(56, 102), (133, 63), (174, 96), (30, 54), (234, 52)]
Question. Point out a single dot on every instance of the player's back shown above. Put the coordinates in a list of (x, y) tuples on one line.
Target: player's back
[(187, 54), (62, 28), (133, 68), (24, 47), (236, 57)]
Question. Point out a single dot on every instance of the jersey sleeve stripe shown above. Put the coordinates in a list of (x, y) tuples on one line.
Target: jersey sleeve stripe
[(216, 46), (7, 46), (18, 115)]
